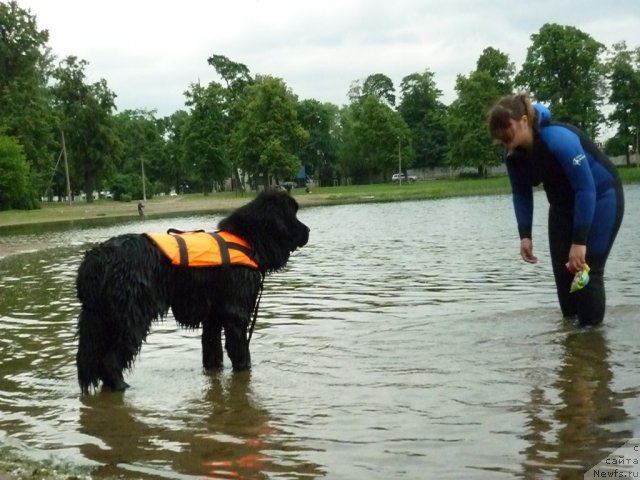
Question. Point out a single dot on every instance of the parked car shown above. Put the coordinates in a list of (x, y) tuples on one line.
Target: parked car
[(396, 177), (288, 186)]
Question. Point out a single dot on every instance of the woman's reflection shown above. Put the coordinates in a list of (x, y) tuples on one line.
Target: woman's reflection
[(570, 433)]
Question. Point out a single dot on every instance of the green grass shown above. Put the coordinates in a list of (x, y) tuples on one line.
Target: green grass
[(225, 201), (428, 189)]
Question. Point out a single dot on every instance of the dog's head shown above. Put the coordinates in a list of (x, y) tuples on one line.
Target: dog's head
[(269, 223)]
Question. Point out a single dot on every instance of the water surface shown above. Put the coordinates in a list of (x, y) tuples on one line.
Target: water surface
[(407, 340)]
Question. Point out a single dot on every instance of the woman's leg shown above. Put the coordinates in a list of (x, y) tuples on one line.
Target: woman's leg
[(560, 229), (607, 219)]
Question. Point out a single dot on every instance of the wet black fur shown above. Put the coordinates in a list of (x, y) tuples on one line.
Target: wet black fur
[(126, 283)]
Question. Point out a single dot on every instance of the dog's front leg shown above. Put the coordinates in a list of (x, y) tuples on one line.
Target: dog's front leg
[(236, 344), (212, 355)]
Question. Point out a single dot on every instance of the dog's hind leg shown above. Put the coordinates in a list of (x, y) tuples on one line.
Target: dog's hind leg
[(112, 373), (123, 286), (212, 354)]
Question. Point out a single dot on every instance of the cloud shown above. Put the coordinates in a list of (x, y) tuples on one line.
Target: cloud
[(150, 52)]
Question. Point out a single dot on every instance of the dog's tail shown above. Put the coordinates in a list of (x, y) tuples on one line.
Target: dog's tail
[(90, 350), (93, 328), (90, 332)]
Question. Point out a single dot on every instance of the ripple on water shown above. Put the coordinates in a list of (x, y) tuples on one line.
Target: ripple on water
[(405, 341)]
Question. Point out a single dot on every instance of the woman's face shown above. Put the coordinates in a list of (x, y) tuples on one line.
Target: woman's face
[(520, 134)]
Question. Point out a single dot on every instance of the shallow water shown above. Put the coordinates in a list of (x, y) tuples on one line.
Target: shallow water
[(406, 340)]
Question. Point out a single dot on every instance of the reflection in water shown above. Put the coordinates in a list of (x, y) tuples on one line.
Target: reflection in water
[(571, 434), (388, 348), (224, 434)]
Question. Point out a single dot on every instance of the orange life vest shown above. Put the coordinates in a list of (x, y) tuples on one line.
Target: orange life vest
[(204, 249)]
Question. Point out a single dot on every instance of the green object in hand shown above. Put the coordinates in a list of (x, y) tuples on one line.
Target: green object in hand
[(580, 279)]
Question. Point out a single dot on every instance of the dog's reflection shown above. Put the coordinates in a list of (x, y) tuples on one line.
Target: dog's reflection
[(224, 434)]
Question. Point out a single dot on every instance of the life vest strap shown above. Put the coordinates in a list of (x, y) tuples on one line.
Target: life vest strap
[(224, 249), (184, 251)]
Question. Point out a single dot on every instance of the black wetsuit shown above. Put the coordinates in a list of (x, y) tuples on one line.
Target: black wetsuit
[(586, 206)]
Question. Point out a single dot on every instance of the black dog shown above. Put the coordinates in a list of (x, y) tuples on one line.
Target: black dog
[(127, 282)]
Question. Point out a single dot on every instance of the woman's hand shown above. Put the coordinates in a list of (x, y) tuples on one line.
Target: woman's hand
[(577, 256), (526, 251)]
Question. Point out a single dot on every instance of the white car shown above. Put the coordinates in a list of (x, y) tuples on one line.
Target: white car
[(396, 177)]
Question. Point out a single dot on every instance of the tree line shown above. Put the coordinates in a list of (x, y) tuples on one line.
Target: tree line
[(254, 129)]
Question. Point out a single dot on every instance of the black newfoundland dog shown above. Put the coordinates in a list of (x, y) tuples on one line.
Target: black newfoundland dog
[(127, 282)]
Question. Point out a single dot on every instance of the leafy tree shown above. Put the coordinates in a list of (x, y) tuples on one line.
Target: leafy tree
[(174, 171), (381, 87), (85, 112), (318, 152), (205, 136), (142, 146), (563, 68), (470, 145), (372, 136), (425, 115), (499, 67), (624, 77), (237, 78), (235, 75), (14, 176), (348, 153), (268, 134), (355, 91), (24, 110)]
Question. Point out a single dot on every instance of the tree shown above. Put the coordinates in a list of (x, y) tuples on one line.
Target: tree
[(381, 87), (175, 170), (142, 147), (85, 112), (624, 78), (237, 78), (499, 67), (371, 137), (318, 152), (469, 142), (563, 69), (24, 109), (205, 136), (268, 134), (425, 116), (14, 176)]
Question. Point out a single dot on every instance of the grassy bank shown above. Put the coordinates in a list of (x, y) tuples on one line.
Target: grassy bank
[(224, 201)]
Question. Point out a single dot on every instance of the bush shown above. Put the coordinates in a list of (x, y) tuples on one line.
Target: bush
[(15, 192)]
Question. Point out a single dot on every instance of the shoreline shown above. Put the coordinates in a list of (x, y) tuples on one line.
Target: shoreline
[(80, 212)]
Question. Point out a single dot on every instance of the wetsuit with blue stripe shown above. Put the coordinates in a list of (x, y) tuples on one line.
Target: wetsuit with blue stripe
[(586, 206)]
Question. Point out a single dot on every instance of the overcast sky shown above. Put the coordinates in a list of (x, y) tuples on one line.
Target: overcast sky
[(150, 51)]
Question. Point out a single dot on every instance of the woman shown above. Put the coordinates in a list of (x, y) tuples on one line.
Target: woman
[(584, 193)]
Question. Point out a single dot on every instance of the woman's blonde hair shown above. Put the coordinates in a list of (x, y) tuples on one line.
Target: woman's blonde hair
[(509, 107)]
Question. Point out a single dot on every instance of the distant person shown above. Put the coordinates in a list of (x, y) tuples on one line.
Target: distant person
[(141, 209), (584, 193)]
